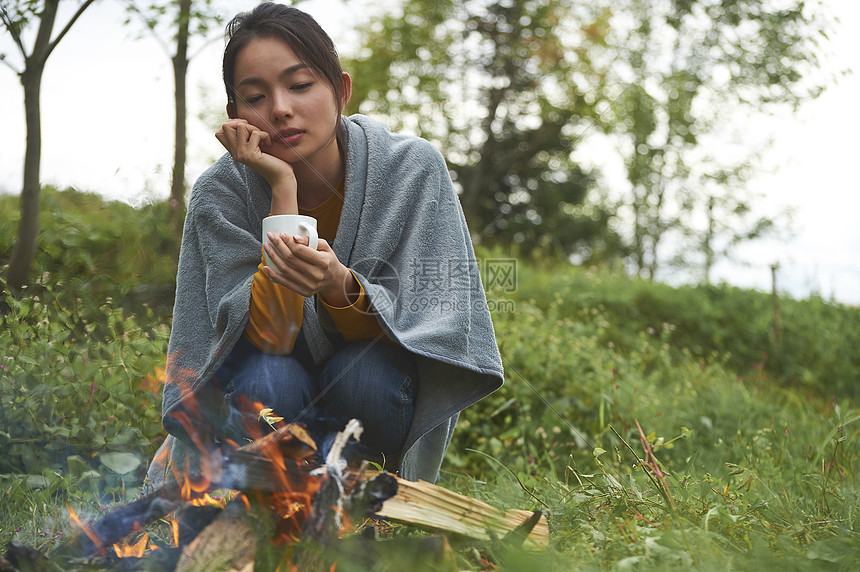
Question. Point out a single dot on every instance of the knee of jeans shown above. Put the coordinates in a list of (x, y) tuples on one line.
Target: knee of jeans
[(384, 405), (273, 380), (367, 360)]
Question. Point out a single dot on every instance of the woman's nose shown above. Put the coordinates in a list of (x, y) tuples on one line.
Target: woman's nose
[(281, 106)]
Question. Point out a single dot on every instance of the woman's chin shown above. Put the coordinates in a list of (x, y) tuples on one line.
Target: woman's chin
[(280, 152)]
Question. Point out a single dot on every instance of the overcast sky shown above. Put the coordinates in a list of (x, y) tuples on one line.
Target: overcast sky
[(107, 120)]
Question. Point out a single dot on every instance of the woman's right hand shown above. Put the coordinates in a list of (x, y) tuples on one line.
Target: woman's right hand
[(243, 140)]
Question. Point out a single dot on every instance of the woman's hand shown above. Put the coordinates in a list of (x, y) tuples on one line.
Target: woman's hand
[(308, 272), (243, 141)]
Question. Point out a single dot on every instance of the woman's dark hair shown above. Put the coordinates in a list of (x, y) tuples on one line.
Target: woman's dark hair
[(299, 30)]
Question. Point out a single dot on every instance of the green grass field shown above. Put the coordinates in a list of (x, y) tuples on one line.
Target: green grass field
[(656, 428)]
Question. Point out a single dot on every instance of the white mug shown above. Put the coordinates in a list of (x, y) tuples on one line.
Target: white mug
[(289, 224)]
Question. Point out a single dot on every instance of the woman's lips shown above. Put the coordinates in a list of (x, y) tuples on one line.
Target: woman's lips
[(290, 137)]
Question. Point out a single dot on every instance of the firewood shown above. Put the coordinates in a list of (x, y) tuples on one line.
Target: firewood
[(424, 504), (22, 558), (279, 481), (119, 523), (292, 441), (227, 544)]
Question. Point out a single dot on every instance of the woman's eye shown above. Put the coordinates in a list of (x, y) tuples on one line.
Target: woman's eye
[(302, 86), (253, 99)]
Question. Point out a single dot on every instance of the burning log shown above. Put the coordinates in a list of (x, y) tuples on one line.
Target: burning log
[(273, 464), (228, 543), (342, 497), (120, 523), (289, 513)]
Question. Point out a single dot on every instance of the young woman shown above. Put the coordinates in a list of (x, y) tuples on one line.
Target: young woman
[(385, 321)]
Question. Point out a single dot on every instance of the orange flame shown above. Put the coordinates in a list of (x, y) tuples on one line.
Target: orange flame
[(85, 528), (174, 531), (207, 500), (135, 550), (292, 489)]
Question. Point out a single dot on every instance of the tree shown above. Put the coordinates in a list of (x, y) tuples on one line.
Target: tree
[(182, 20), (16, 17), (682, 69), (506, 89), (729, 219)]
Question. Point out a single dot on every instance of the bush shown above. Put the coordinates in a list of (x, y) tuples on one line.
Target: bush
[(77, 380), (95, 249), (820, 345), (757, 473)]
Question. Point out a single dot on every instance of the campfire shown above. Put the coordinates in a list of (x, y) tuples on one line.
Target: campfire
[(269, 505)]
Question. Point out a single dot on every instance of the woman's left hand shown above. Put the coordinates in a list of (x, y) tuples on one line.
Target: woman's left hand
[(308, 272)]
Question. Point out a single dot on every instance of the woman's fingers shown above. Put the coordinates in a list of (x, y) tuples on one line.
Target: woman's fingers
[(282, 252), (301, 269), (293, 278), (241, 138), (285, 280), (245, 143)]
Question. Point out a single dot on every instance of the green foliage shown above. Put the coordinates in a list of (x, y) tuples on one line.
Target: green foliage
[(79, 393), (510, 90), (819, 341), (162, 18), (79, 407), (95, 249), (759, 465), (682, 71), (755, 474), (71, 385), (506, 90)]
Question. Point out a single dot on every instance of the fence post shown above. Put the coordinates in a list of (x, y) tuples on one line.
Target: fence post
[(777, 320)]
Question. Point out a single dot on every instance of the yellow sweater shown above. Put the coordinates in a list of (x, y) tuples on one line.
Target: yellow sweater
[(276, 311)]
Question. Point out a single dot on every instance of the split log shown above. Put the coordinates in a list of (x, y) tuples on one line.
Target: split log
[(228, 543), (424, 504)]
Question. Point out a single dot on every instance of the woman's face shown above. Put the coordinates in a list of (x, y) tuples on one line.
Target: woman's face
[(277, 93)]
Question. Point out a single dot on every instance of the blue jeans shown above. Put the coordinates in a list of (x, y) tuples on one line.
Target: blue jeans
[(374, 382)]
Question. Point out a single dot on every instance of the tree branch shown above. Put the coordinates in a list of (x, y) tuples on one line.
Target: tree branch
[(11, 67), (206, 43), (68, 26), (7, 21), (150, 27)]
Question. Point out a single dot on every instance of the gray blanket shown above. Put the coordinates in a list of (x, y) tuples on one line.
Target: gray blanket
[(403, 234)]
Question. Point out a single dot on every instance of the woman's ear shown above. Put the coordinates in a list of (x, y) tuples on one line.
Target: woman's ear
[(231, 110), (347, 91)]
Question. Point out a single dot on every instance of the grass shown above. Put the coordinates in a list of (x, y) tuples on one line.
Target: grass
[(754, 473)]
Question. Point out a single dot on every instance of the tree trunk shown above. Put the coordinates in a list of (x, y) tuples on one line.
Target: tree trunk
[(657, 229), (180, 71), (28, 226), (31, 78)]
